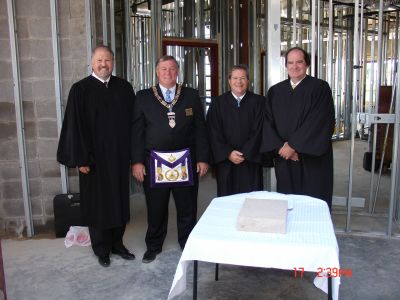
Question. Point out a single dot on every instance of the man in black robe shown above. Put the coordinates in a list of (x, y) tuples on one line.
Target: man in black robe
[(298, 128), (234, 122), (95, 137), (168, 117)]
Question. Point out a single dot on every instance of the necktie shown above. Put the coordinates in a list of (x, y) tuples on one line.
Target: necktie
[(168, 96), (238, 101), (293, 86), (105, 84)]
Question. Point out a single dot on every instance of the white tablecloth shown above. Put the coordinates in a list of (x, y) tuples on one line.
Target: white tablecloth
[(309, 242)]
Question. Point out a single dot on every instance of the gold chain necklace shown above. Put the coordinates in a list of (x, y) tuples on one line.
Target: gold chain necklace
[(162, 101), (170, 114)]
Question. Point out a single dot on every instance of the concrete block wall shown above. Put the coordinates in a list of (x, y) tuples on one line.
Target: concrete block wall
[(39, 104)]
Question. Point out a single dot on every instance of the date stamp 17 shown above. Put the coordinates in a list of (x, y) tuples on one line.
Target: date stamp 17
[(325, 272)]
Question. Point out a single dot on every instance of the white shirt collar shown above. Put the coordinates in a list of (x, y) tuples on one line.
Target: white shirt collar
[(164, 90), (297, 83), (98, 78), (236, 97)]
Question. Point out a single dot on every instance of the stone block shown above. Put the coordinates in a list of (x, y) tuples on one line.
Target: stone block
[(29, 8), (67, 84), (9, 150), (77, 28), (37, 206), (73, 184), (263, 215), (51, 186), (47, 148), (5, 51), (14, 207), (64, 9), (26, 90), (43, 89), (12, 190), (78, 48), (77, 8), (33, 169), (22, 27), (24, 48), (48, 129), (16, 225), (48, 205), (79, 69), (46, 109), (41, 49), (6, 70), (73, 172), (35, 187), (7, 111), (40, 28), (44, 68), (10, 170), (4, 31), (7, 91), (3, 8), (30, 130), (8, 130), (65, 48), (26, 68), (64, 26), (50, 168), (2, 231), (29, 110), (66, 69), (31, 150)]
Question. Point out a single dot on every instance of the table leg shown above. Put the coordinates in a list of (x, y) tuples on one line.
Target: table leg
[(216, 271), (195, 262), (329, 288)]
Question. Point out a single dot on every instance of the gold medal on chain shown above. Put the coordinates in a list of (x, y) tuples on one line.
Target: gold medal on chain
[(170, 113)]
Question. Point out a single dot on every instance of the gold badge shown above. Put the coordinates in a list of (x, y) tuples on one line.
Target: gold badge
[(189, 112)]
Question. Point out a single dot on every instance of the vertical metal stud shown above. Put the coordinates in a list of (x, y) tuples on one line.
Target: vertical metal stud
[(353, 115), (58, 83), (112, 33), (89, 35), (104, 21), (313, 38), (378, 83), (19, 117)]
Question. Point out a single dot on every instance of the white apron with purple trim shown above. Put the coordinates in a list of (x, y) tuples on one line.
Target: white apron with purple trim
[(171, 168)]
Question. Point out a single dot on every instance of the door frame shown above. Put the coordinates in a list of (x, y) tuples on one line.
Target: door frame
[(198, 43)]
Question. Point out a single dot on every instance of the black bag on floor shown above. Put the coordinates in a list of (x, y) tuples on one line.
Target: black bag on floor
[(367, 162), (66, 213)]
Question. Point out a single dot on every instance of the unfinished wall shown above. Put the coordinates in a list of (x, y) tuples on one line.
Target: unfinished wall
[(39, 104)]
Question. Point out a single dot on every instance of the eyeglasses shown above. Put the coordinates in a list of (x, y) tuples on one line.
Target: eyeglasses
[(239, 78)]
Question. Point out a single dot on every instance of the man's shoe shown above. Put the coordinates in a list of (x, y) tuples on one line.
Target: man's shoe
[(150, 255), (104, 261), (124, 253)]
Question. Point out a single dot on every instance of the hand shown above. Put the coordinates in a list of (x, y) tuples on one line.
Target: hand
[(286, 151), (84, 169), (294, 157), (138, 171), (202, 168), (236, 157)]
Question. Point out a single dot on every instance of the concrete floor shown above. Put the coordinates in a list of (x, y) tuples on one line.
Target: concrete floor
[(44, 269), (361, 221)]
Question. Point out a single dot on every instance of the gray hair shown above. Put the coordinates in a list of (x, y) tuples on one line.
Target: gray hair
[(239, 67), (166, 58), (108, 49)]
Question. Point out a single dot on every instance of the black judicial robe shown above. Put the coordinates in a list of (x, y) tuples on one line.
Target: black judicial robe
[(305, 118), (96, 132), (150, 129), (232, 127)]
